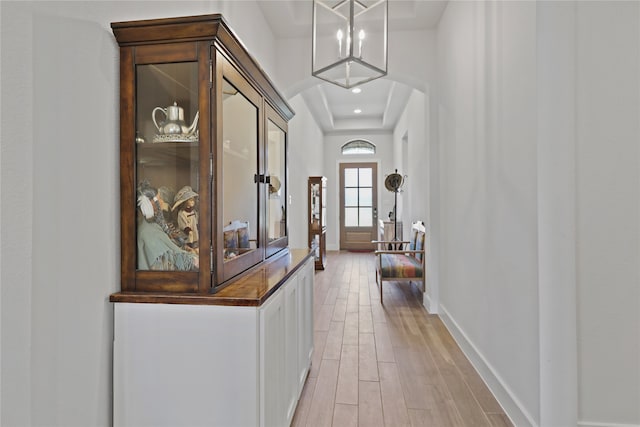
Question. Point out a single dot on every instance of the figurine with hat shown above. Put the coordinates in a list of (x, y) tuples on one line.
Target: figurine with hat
[(185, 202), (158, 246)]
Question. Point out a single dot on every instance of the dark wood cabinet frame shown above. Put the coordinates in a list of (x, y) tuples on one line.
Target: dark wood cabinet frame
[(209, 41)]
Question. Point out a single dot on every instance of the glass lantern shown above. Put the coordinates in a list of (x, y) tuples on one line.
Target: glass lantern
[(349, 41)]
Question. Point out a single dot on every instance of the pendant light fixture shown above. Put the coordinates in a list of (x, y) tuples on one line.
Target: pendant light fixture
[(349, 41)]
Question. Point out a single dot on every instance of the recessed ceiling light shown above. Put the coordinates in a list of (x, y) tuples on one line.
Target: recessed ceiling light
[(357, 111), (356, 90)]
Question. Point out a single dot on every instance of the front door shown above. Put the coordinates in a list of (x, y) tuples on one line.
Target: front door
[(358, 205)]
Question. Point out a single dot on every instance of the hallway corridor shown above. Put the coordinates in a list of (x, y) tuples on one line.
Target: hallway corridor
[(385, 366)]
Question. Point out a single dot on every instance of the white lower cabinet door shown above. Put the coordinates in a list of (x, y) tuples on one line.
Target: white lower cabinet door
[(284, 326), (272, 362), (185, 365), (291, 305), (305, 322), (308, 312)]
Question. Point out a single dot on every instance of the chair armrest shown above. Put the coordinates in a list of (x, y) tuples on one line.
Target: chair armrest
[(400, 252)]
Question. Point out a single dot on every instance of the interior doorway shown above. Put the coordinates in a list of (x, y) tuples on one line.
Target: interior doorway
[(358, 205)]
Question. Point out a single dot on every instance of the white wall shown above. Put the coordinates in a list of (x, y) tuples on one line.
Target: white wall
[(0, 229), (488, 276), (608, 211), (410, 144), (556, 51), (60, 198), (333, 157), (414, 145), (16, 234), (306, 153), (539, 123)]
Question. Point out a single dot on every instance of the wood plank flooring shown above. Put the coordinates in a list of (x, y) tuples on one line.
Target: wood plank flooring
[(391, 365)]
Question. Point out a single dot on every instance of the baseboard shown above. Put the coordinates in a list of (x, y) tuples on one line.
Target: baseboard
[(429, 305), (512, 407), (601, 424)]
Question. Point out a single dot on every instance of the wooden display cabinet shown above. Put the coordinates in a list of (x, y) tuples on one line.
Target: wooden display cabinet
[(206, 266), (317, 190), (203, 152)]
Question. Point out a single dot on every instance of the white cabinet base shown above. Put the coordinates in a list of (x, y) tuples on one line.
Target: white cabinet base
[(195, 365)]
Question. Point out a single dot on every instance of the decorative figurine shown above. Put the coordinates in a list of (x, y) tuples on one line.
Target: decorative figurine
[(156, 248), (185, 202), (167, 194), (274, 185)]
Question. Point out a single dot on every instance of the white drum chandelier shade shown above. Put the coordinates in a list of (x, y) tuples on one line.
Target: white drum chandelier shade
[(349, 41)]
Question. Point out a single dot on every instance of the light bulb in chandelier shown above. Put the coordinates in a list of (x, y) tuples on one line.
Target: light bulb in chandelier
[(360, 40)]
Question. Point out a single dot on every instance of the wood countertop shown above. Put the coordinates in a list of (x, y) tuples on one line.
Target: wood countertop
[(251, 289)]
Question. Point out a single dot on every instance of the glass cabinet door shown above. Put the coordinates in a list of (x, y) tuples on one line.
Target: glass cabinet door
[(239, 174), (317, 189), (315, 218), (323, 204), (239, 161), (167, 166), (276, 171), (315, 206)]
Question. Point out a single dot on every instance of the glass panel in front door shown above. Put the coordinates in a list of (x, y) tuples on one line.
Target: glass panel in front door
[(358, 197)]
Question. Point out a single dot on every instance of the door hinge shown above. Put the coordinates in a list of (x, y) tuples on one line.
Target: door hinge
[(211, 168), (210, 73)]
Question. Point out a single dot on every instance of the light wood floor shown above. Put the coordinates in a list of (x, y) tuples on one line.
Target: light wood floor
[(391, 365)]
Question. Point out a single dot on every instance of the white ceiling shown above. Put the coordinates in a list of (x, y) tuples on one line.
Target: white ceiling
[(381, 100)]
